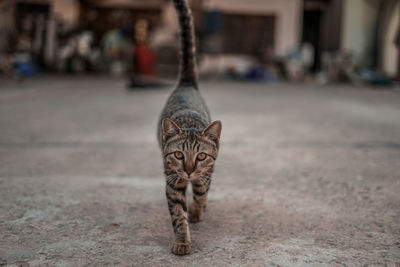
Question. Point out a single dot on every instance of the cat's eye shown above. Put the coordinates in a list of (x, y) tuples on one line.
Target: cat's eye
[(178, 155), (201, 156)]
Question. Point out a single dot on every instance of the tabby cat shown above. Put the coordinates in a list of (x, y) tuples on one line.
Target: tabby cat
[(189, 142)]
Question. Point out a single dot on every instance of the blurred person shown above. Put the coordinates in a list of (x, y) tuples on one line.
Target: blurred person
[(144, 59)]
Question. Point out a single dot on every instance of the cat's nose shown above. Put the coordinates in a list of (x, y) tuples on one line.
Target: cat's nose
[(189, 172), (189, 167)]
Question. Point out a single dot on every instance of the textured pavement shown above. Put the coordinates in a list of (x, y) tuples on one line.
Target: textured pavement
[(306, 176)]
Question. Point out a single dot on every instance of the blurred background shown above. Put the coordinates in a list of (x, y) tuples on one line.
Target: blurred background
[(322, 41)]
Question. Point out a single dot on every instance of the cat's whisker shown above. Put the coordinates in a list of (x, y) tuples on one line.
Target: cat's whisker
[(177, 181), (173, 180), (202, 181), (170, 179)]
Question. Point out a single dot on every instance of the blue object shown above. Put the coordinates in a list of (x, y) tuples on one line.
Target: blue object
[(25, 69), (257, 74), (375, 78)]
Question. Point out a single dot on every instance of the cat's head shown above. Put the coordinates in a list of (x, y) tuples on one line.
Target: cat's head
[(190, 153)]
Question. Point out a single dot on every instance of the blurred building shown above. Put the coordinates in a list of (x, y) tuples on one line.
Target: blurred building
[(364, 29), (254, 25)]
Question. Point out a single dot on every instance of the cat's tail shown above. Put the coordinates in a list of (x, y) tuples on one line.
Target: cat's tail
[(188, 67)]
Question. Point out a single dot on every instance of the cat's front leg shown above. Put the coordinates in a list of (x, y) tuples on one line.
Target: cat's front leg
[(200, 190), (178, 210)]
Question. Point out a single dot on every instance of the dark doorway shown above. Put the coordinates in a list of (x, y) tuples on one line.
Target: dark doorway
[(311, 34), (322, 27), (31, 24), (29, 11)]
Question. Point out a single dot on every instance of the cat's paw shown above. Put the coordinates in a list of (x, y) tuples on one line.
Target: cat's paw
[(195, 214), (180, 248)]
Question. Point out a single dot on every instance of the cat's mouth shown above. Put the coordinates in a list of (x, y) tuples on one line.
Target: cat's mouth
[(190, 177)]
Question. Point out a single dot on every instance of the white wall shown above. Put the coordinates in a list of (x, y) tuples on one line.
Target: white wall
[(68, 10), (389, 52), (359, 18), (288, 22), (131, 3)]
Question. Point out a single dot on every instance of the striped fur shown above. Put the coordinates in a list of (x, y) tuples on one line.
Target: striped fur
[(189, 141), (188, 68)]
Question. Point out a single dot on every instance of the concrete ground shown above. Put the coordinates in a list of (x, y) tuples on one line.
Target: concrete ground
[(306, 176)]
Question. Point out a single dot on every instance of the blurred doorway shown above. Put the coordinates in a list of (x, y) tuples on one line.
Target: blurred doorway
[(322, 20), (31, 24)]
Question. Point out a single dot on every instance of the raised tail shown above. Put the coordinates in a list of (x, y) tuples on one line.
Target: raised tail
[(188, 67)]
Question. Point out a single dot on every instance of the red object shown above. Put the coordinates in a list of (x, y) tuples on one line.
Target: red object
[(145, 60)]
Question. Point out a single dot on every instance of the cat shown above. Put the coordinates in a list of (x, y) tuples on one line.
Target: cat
[(189, 141)]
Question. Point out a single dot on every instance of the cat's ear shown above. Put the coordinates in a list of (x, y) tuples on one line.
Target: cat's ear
[(213, 131), (169, 129)]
